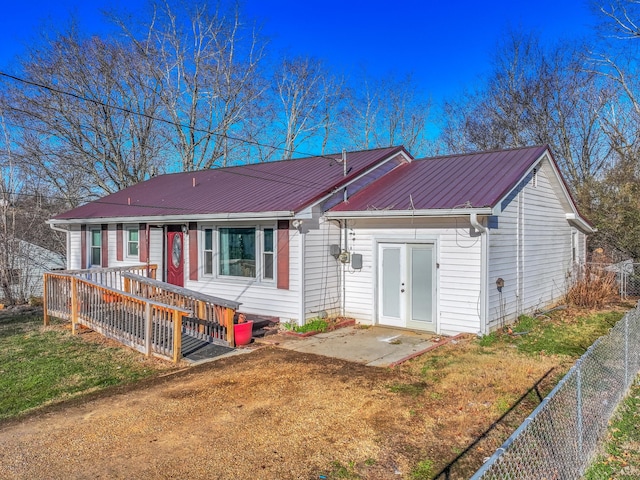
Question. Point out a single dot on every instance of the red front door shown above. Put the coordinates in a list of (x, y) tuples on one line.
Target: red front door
[(175, 258)]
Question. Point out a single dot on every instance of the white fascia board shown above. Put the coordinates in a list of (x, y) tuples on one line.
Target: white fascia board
[(527, 172), (168, 219), (448, 212), (366, 172), (579, 222)]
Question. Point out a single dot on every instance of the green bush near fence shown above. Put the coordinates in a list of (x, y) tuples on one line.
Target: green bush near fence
[(41, 364)]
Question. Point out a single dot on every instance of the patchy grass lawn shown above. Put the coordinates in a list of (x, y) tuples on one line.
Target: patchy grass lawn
[(284, 414), (621, 452), (40, 365), (466, 387)]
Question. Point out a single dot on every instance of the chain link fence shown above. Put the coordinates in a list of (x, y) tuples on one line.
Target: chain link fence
[(627, 276), (558, 440)]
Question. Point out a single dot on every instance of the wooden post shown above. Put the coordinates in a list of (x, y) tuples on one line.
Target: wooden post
[(230, 313), (201, 313), (177, 335), (45, 303), (74, 304), (148, 340), (127, 285)]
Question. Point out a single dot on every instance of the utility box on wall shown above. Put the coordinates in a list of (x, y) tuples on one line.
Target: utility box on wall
[(356, 261)]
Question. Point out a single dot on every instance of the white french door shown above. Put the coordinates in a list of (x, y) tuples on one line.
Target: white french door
[(406, 285)]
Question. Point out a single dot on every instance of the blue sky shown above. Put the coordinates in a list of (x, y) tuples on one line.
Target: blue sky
[(446, 46)]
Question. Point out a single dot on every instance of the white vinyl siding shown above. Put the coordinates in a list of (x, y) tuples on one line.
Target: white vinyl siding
[(156, 251), (260, 298), (74, 248), (458, 280), (531, 250), (322, 271)]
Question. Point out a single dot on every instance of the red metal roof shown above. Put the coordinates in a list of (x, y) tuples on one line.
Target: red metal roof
[(287, 185), (472, 180)]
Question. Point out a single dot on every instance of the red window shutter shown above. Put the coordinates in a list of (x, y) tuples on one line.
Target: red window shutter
[(193, 251), (119, 240), (283, 254), (142, 242), (105, 245), (83, 246)]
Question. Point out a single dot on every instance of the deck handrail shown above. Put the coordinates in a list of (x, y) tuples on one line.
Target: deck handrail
[(144, 324), (212, 317), (183, 291), (124, 268), (112, 276)]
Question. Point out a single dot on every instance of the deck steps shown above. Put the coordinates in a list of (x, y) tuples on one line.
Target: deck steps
[(263, 325)]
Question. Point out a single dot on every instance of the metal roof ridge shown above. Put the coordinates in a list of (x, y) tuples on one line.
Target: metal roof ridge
[(482, 152)]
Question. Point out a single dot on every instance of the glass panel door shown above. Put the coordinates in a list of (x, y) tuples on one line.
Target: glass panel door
[(391, 296), (421, 290)]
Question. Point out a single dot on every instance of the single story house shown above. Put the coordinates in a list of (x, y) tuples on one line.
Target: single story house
[(461, 243)]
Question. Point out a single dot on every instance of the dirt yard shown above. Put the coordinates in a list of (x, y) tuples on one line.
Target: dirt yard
[(272, 414)]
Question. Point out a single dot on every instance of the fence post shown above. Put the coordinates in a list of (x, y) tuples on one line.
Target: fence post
[(177, 335), (45, 303), (74, 304), (148, 336), (626, 350), (579, 409), (230, 313)]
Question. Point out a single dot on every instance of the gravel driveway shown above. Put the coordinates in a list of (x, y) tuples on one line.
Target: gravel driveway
[(272, 414)]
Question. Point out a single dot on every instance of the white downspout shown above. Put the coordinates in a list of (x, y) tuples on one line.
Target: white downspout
[(473, 218), (343, 301), (301, 262), (67, 242), (484, 272)]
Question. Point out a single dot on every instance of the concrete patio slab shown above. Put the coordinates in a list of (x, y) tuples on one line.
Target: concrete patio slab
[(374, 346)]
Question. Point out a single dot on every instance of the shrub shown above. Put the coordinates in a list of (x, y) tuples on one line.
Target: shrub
[(593, 289), (313, 325)]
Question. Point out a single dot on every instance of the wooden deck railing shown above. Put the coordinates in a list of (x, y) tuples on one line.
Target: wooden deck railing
[(112, 276), (146, 325), (211, 317)]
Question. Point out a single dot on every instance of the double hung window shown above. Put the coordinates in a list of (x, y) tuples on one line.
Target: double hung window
[(240, 252), (96, 248), (132, 241)]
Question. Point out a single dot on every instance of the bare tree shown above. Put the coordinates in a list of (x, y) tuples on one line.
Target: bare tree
[(92, 114), (308, 97), (25, 240), (208, 65), (387, 112), (537, 96), (620, 19)]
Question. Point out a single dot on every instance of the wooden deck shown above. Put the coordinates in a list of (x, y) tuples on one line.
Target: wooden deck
[(145, 314), (211, 317)]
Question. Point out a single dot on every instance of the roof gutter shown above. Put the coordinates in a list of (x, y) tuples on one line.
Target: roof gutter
[(56, 228), (435, 212), (580, 223), (176, 218), (473, 218)]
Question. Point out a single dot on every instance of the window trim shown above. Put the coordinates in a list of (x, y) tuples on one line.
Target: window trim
[(126, 231), (271, 252), (203, 251), (259, 253), (93, 247)]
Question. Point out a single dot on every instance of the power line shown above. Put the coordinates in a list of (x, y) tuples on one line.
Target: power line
[(298, 181), (158, 119), (57, 197), (281, 178)]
